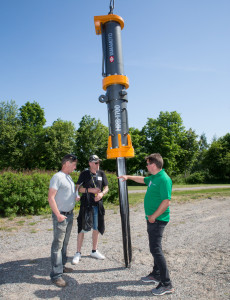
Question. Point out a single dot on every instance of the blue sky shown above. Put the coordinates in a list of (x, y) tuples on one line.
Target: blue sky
[(175, 53)]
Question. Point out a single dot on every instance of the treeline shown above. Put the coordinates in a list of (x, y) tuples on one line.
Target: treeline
[(26, 144)]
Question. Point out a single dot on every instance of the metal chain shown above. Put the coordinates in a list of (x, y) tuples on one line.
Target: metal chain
[(111, 6)]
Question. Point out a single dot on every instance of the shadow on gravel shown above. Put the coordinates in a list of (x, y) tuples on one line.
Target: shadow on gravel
[(30, 271), (37, 272), (88, 291)]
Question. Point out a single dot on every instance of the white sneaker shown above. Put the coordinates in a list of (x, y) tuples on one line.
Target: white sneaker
[(76, 258), (97, 255)]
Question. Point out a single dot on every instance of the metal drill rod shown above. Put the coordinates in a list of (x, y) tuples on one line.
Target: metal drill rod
[(124, 211)]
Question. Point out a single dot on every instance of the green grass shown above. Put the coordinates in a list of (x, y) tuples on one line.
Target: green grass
[(144, 187), (32, 223), (177, 196), (21, 222), (8, 229), (184, 196)]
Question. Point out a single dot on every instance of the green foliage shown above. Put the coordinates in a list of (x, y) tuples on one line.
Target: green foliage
[(167, 136), (9, 127), (91, 138), (197, 177), (23, 193), (178, 179), (32, 120), (112, 196), (137, 163), (163, 136), (26, 144), (217, 158), (58, 140), (189, 150), (27, 192), (32, 115)]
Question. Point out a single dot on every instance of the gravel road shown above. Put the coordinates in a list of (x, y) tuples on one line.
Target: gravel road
[(196, 244)]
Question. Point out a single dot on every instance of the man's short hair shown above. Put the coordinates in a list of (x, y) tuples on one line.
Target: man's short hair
[(68, 157), (156, 159)]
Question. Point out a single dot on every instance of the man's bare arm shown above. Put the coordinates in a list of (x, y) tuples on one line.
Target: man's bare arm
[(161, 209), (53, 205), (138, 179)]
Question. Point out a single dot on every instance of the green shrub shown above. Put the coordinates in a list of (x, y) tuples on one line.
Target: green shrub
[(112, 196), (179, 179), (196, 178), (26, 192), (23, 192)]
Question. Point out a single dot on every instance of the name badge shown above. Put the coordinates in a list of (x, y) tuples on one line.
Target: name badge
[(99, 178)]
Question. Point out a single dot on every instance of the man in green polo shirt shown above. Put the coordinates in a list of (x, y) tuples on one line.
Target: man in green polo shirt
[(157, 213)]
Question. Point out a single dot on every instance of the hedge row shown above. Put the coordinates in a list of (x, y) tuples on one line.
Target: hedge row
[(27, 192)]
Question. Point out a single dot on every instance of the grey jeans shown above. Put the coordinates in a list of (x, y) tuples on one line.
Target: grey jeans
[(61, 235)]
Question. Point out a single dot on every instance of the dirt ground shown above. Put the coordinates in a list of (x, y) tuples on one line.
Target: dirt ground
[(196, 245)]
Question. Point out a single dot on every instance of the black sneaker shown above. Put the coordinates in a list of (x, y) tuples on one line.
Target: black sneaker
[(150, 278), (163, 289)]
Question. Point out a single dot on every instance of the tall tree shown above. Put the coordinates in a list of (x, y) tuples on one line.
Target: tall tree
[(58, 140), (217, 158), (189, 151), (92, 137), (137, 165), (9, 127), (168, 136), (163, 135), (202, 149), (30, 136)]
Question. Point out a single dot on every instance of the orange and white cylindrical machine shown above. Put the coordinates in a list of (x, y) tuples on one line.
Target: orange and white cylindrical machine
[(115, 83)]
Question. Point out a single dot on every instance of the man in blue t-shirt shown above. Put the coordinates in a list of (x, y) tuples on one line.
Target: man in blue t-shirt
[(157, 213)]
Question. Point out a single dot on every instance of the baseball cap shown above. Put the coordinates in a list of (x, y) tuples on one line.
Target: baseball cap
[(94, 158)]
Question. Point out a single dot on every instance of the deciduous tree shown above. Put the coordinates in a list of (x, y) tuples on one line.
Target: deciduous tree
[(92, 137), (9, 128)]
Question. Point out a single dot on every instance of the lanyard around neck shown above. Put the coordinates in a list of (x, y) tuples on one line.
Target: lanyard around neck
[(93, 180)]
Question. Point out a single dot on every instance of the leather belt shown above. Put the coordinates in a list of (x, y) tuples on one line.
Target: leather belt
[(66, 213)]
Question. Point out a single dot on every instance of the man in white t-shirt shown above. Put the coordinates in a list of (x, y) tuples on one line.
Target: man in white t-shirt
[(62, 197)]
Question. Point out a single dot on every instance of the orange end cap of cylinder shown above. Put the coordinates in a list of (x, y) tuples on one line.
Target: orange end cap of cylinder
[(121, 151), (99, 20)]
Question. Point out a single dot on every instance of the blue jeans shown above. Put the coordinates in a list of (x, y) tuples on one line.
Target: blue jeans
[(61, 235), (95, 217), (155, 232)]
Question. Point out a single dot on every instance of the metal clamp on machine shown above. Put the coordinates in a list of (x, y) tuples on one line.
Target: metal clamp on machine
[(122, 151)]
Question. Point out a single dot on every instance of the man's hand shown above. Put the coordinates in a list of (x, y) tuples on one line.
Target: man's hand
[(151, 219), (77, 198), (61, 218), (124, 177), (98, 197)]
